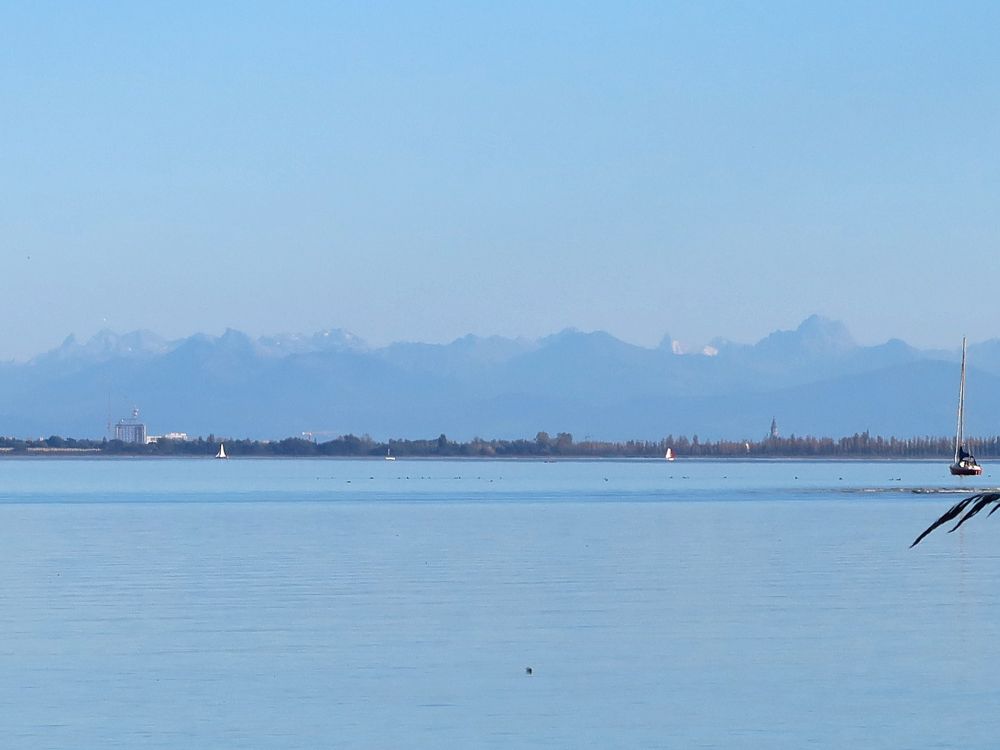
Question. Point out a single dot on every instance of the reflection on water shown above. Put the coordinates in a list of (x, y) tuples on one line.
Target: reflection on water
[(302, 604)]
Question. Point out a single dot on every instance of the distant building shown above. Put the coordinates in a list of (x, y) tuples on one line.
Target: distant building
[(131, 430), (774, 429), (178, 436)]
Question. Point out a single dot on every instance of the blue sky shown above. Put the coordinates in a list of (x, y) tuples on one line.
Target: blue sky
[(425, 170)]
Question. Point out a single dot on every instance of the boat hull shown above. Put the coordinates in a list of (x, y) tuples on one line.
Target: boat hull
[(958, 470)]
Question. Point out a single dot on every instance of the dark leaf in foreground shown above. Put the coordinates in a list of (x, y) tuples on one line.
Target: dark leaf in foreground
[(981, 499), (982, 503)]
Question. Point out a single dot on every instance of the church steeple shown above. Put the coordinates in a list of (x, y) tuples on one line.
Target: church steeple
[(774, 428)]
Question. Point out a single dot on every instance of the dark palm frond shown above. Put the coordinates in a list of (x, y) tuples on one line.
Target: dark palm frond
[(984, 500), (953, 512)]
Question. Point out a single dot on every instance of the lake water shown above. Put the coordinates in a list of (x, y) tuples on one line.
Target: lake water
[(373, 604)]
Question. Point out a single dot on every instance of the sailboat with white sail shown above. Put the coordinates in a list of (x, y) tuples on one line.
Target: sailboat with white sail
[(964, 463), (222, 451)]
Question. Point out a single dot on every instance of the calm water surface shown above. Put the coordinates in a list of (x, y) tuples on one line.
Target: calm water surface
[(369, 604)]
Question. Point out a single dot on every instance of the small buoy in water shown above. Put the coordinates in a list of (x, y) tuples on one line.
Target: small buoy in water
[(527, 670)]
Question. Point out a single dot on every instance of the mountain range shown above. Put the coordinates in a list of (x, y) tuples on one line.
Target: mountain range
[(814, 380)]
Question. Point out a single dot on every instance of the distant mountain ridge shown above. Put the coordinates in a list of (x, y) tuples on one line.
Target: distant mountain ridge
[(814, 379)]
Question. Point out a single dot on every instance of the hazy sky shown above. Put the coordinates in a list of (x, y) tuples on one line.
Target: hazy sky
[(424, 170)]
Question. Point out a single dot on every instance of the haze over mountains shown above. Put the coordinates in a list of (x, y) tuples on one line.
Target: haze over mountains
[(814, 380)]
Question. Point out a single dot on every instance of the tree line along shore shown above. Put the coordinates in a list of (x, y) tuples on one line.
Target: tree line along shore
[(859, 445)]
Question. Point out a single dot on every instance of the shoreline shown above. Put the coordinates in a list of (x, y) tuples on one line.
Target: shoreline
[(97, 454)]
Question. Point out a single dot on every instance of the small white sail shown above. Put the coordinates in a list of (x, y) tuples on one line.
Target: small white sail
[(222, 451), (669, 455)]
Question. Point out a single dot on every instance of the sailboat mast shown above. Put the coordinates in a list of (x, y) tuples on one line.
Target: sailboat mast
[(960, 430)]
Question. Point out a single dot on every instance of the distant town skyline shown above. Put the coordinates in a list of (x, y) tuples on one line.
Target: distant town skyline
[(696, 170)]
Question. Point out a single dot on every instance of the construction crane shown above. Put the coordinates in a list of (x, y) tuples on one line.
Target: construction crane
[(313, 434)]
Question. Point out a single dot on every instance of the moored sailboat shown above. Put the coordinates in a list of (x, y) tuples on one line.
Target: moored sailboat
[(964, 463)]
